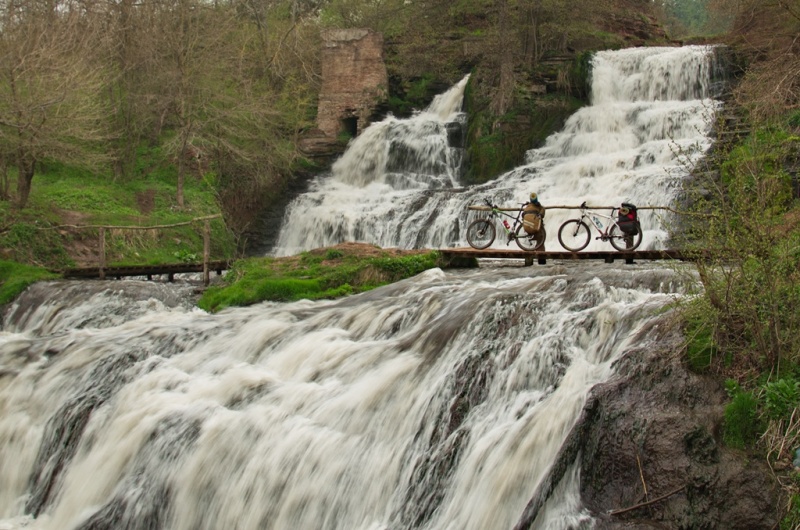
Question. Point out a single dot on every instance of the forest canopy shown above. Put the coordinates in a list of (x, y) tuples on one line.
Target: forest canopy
[(223, 90)]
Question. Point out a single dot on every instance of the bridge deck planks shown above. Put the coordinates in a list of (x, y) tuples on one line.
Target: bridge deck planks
[(169, 269), (453, 257), (461, 257)]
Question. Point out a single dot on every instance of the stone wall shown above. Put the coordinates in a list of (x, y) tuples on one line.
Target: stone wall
[(354, 80)]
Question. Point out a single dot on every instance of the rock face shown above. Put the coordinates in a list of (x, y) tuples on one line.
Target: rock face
[(659, 427), (651, 455), (354, 80)]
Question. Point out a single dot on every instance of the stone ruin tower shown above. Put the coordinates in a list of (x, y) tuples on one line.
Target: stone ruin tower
[(354, 80)]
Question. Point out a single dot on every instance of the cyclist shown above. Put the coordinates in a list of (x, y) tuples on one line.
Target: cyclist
[(533, 218)]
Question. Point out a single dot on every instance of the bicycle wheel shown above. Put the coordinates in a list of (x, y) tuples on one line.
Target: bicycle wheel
[(530, 241), (574, 235), (481, 233), (622, 242)]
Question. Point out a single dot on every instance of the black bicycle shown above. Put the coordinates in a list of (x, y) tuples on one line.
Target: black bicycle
[(481, 233)]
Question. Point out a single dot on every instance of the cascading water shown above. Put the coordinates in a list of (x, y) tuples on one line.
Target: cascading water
[(439, 402), (649, 121)]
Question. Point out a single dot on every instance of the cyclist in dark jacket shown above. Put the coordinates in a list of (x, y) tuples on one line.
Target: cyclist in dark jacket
[(533, 218)]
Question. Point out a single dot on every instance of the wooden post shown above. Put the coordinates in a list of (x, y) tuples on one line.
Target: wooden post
[(102, 256), (206, 250)]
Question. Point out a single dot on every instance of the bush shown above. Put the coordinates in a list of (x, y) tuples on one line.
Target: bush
[(780, 398), (701, 349), (741, 425)]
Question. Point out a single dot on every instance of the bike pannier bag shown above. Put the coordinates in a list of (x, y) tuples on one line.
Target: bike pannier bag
[(628, 219), (531, 222)]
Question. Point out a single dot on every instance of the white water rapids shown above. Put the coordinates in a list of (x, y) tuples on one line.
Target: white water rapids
[(649, 120), (436, 403)]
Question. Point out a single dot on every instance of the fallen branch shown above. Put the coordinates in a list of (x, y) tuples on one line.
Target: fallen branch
[(630, 508)]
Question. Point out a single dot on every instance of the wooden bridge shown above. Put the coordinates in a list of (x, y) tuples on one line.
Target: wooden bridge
[(451, 257), (466, 257), (148, 271)]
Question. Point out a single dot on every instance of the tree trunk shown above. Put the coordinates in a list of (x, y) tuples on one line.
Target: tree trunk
[(181, 177), (504, 94), (26, 167), (4, 191)]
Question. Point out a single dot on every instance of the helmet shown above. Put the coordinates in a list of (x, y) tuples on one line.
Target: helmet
[(534, 197)]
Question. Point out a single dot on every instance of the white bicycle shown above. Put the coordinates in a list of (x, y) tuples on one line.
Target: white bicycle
[(621, 229)]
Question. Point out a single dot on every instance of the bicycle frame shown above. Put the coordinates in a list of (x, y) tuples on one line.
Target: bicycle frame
[(482, 231), (592, 217), (511, 231), (575, 234)]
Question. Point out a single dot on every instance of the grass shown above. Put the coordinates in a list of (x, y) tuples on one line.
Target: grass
[(37, 234), (323, 273), (15, 277)]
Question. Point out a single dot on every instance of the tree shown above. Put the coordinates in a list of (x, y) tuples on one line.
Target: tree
[(50, 84)]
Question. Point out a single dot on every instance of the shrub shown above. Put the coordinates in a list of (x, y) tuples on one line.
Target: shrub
[(780, 398), (741, 426)]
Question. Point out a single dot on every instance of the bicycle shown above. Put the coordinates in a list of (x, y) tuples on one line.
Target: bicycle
[(574, 234), (482, 232)]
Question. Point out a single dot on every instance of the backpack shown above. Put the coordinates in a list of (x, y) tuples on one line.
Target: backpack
[(628, 219), (531, 220)]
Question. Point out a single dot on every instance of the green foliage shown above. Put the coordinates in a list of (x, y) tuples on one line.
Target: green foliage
[(184, 256), (27, 242), (16, 277), (497, 144), (419, 91), (328, 273), (66, 196), (741, 427), (751, 270), (700, 349), (781, 397), (695, 18), (791, 520), (794, 120)]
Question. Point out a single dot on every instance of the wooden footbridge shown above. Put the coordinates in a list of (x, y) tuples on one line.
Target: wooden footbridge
[(149, 271), (466, 257), (451, 257)]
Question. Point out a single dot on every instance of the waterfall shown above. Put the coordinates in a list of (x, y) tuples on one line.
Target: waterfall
[(649, 121), (435, 403), (438, 402)]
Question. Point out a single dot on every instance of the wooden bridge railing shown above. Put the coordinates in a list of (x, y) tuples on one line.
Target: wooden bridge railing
[(102, 266), (566, 207)]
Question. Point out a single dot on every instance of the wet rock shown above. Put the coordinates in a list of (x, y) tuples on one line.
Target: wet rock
[(651, 452), (656, 432)]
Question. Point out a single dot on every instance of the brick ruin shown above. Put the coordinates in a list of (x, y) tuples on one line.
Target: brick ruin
[(354, 80)]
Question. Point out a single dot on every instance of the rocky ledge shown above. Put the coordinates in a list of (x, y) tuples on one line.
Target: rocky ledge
[(651, 452)]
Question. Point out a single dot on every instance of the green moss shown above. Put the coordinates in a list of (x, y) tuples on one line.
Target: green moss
[(327, 273), (16, 277)]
